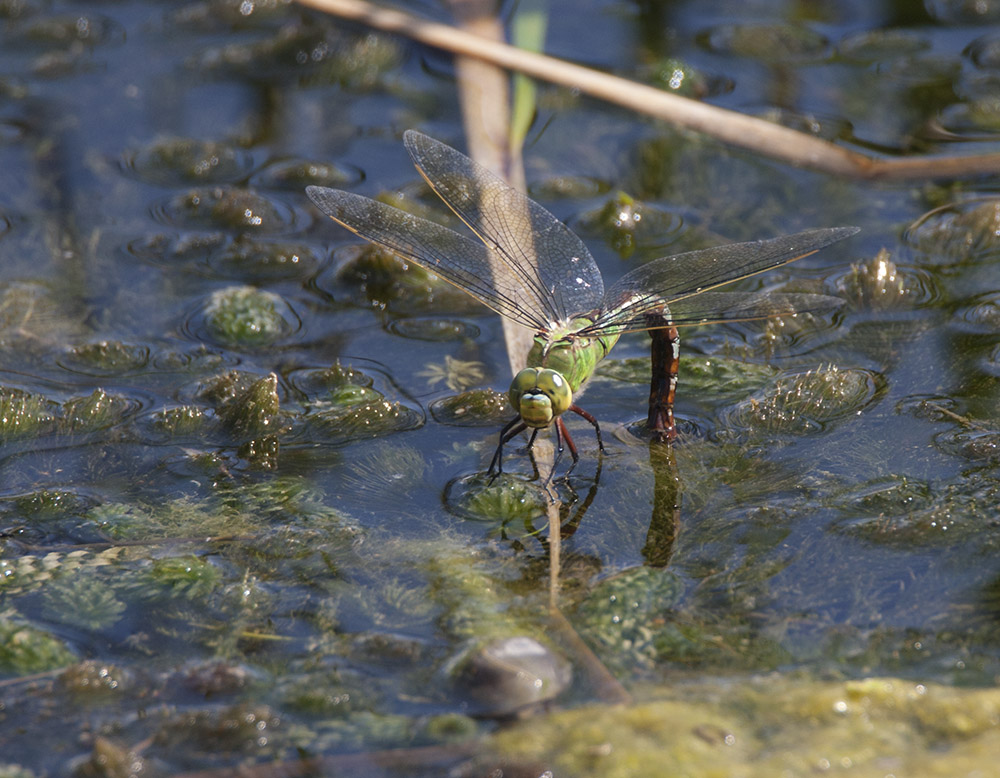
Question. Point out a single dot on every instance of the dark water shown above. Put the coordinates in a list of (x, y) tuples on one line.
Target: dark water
[(241, 518)]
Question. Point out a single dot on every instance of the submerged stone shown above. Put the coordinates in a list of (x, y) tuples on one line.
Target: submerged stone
[(510, 675)]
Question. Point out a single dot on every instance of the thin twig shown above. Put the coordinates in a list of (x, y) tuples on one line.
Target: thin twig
[(759, 135)]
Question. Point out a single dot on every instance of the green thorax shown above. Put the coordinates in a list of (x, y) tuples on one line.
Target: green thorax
[(575, 357)]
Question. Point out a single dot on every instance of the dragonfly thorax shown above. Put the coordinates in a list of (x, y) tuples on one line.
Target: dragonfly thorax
[(540, 395)]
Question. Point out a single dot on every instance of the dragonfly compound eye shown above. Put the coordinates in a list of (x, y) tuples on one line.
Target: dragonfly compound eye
[(540, 395)]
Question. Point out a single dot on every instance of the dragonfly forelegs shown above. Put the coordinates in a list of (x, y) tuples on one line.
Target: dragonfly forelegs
[(562, 433), (514, 427), (597, 427), (665, 356)]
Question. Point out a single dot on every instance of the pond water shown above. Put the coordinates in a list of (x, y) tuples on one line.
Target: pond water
[(243, 512)]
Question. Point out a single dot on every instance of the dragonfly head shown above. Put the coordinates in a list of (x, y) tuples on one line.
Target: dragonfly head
[(540, 395)]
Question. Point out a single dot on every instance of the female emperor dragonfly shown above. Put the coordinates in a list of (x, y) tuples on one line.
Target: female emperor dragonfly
[(531, 268)]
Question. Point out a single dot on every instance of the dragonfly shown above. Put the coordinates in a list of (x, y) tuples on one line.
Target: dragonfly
[(531, 268)]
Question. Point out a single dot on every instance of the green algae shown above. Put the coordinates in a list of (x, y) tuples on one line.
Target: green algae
[(247, 316), (472, 408), (25, 414), (25, 648), (768, 727)]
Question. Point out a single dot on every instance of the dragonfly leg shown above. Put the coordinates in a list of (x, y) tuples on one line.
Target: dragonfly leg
[(597, 427), (512, 428), (562, 433), (665, 357)]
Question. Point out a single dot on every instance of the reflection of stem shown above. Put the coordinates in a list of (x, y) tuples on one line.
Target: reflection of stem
[(730, 127), (665, 522), (606, 687)]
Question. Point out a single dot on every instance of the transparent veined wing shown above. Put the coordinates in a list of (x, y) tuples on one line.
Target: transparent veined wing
[(557, 274), (462, 261), (683, 284), (711, 307)]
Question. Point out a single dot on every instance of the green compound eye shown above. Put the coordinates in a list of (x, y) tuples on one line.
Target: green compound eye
[(540, 395)]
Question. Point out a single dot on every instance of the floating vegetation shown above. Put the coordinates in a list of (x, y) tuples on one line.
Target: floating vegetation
[(265, 260), (180, 422), (27, 649), (775, 725), (767, 42), (228, 208), (806, 403), (624, 618), (878, 284), (310, 48), (386, 281), (474, 408), (187, 160), (625, 223), (296, 174), (91, 680), (882, 45), (207, 14), (106, 357), (44, 504), (365, 420), (982, 313), (248, 317), (222, 389), (58, 31), (254, 411), (683, 78), (25, 414), (501, 500), (958, 232), (976, 444), (388, 473), (187, 577), (244, 728), (720, 378), (194, 248), (433, 330), (456, 374), (83, 601), (99, 410)]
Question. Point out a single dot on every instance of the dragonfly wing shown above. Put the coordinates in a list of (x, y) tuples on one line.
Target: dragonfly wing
[(556, 271), (741, 306), (460, 260), (670, 280)]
